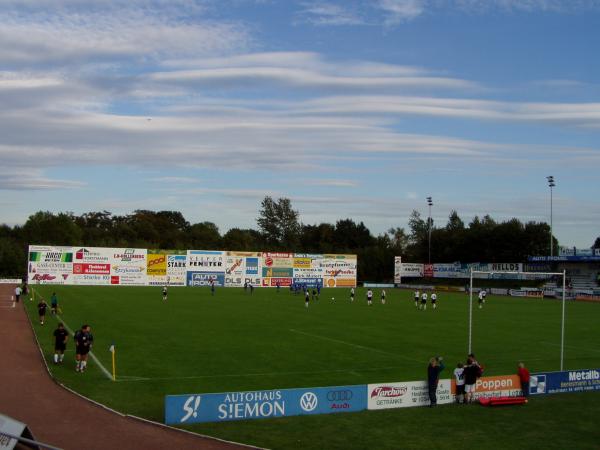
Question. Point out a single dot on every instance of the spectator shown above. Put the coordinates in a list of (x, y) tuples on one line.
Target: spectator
[(436, 365), (471, 372), (524, 377)]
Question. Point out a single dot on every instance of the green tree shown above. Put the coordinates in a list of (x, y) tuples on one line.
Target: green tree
[(279, 223), (44, 227)]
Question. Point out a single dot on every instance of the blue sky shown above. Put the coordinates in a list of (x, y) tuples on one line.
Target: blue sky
[(356, 108)]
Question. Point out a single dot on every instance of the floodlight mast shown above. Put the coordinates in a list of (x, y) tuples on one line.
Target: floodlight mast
[(551, 184), (430, 204)]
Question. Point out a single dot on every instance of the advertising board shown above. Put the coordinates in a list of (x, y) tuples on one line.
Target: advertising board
[(565, 381), (177, 270), (409, 270), (227, 406), (405, 394), (128, 266), (206, 261), (496, 386), (199, 279), (339, 270)]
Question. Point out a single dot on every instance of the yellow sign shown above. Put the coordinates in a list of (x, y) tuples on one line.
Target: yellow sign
[(157, 265)]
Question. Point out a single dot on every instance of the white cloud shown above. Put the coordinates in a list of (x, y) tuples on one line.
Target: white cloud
[(328, 13), (401, 10)]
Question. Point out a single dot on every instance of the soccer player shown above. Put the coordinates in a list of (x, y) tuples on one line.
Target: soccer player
[(278, 286), (383, 296), (164, 292), (251, 286), (423, 305), (83, 344), (417, 296), (42, 306), (352, 294), (369, 297), (314, 294), (54, 304), (212, 287), (17, 294), (306, 298), (481, 298), (433, 300), (484, 295), (459, 376), (318, 289), (60, 343)]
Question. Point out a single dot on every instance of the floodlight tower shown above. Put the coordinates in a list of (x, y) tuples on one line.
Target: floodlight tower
[(430, 204), (551, 184)]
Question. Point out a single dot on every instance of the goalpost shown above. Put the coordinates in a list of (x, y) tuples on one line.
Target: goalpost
[(564, 286)]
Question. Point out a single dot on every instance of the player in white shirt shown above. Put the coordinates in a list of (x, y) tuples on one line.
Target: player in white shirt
[(383, 296), (423, 301), (459, 376), (369, 297), (417, 296), (164, 292), (352, 294), (481, 298), (434, 300)]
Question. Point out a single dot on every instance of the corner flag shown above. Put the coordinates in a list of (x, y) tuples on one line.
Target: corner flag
[(113, 350)]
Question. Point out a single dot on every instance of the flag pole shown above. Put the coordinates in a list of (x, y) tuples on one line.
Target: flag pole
[(113, 350)]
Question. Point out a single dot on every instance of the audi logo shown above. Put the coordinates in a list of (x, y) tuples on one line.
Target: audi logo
[(339, 396)]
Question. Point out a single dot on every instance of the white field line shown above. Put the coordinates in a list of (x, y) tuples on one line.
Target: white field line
[(585, 349), (371, 349), (96, 360), (127, 378)]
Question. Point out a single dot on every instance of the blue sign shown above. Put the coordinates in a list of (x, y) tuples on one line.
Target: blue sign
[(226, 406), (205, 278), (309, 282), (566, 381), (251, 266), (562, 258)]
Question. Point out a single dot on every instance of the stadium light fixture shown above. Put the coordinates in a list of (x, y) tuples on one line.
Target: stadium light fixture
[(551, 184), (430, 204)]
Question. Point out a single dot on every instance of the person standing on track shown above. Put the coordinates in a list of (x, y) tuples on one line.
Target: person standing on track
[(42, 306), (83, 344), (60, 343), (17, 294)]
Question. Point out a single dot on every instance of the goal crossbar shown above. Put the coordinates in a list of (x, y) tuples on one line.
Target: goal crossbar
[(492, 272)]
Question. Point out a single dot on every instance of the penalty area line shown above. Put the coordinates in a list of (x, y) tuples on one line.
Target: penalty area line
[(96, 360), (363, 347)]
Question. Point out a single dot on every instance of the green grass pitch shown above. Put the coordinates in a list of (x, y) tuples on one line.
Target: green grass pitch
[(196, 343)]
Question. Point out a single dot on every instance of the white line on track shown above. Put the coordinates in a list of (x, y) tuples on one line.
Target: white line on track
[(371, 349), (96, 360), (128, 378)]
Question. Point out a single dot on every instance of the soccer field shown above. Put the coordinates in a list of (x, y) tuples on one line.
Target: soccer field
[(196, 343)]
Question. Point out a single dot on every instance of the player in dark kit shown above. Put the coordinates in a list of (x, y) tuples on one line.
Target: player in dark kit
[(83, 344), (60, 343), (42, 306)]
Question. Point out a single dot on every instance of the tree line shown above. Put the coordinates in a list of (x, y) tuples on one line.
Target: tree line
[(279, 227)]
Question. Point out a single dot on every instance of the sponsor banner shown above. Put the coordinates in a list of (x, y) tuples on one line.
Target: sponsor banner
[(50, 267), (55, 255), (156, 265), (505, 267), (253, 267), (452, 270), (91, 269), (91, 279), (303, 263), (309, 282), (177, 270), (574, 251), (538, 267), (594, 258), (277, 272), (205, 278), (498, 386), (49, 278), (10, 281), (166, 252), (83, 255), (339, 270), (129, 279), (206, 261), (278, 259), (410, 270), (272, 282), (339, 282), (398, 270), (227, 406), (536, 293), (428, 270), (566, 381), (313, 272), (405, 394), (243, 254), (128, 266), (235, 271)]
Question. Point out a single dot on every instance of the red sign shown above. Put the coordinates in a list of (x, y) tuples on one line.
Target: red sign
[(428, 270), (44, 277), (114, 279), (91, 269), (272, 282)]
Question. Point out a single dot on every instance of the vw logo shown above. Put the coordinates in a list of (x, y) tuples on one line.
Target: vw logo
[(339, 396), (308, 401)]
